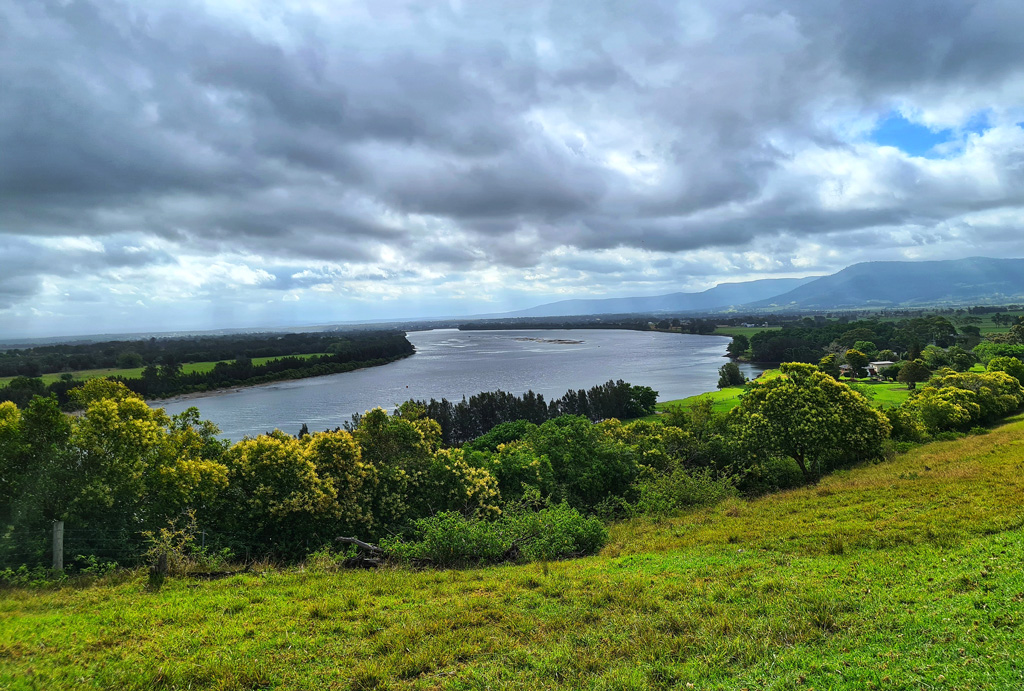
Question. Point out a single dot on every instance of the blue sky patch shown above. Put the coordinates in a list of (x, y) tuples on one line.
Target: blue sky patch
[(918, 140), (914, 139)]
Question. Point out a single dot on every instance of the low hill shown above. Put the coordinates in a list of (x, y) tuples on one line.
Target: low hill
[(720, 297), (904, 574), (973, 281)]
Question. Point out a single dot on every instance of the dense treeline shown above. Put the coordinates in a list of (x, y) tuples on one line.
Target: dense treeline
[(69, 357), (122, 469), (354, 350), (469, 419), (627, 322), (810, 340)]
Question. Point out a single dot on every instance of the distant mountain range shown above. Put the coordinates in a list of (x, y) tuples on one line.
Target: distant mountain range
[(721, 296), (882, 284)]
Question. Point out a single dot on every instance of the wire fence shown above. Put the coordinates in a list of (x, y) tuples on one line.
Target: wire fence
[(88, 547), (85, 546)]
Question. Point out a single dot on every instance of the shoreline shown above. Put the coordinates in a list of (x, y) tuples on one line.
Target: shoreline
[(182, 397)]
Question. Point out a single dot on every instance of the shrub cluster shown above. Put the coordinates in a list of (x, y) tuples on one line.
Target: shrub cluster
[(519, 535)]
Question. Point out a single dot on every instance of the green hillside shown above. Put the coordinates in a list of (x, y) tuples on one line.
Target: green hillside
[(901, 575)]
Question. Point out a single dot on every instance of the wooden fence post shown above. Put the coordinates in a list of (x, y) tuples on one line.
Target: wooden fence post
[(58, 546)]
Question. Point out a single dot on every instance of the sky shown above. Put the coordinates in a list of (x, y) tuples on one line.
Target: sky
[(200, 165)]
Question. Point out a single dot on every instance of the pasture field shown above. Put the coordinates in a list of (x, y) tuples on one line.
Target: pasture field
[(136, 372), (900, 575), (986, 325), (747, 331), (884, 394)]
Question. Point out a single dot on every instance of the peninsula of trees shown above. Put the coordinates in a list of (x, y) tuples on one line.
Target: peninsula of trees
[(158, 368)]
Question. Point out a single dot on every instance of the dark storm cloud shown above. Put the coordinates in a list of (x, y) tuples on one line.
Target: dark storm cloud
[(295, 137), (922, 42)]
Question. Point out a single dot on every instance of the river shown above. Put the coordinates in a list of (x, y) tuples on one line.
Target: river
[(452, 364)]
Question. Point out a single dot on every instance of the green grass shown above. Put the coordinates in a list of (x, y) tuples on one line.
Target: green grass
[(136, 372), (902, 575), (723, 400), (747, 331), (986, 325), (884, 394)]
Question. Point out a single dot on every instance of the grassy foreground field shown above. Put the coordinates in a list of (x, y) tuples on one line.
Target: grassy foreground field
[(902, 575)]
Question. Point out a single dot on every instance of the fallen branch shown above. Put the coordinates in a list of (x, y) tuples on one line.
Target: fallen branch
[(371, 556), (372, 549)]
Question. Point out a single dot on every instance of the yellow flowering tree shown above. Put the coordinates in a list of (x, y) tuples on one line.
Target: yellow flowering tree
[(812, 418), (400, 450), (12, 458), (451, 484)]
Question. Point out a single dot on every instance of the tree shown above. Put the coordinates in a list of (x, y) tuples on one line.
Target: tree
[(946, 409), (1010, 365), (913, 350), (12, 457), (41, 467), (830, 366), (642, 401), (857, 361), (809, 416), (739, 346), (129, 359), (997, 393), (891, 373), (960, 359), (21, 390), (730, 375), (854, 335), (400, 451), (912, 372), (587, 465), (934, 357), (1017, 331), (866, 347)]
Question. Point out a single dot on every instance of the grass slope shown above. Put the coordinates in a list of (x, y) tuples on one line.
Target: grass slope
[(903, 575)]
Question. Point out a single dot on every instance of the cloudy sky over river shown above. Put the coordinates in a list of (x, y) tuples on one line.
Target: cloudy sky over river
[(189, 164)]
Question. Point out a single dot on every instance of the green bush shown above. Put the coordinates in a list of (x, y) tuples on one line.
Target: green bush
[(773, 474), (451, 539), (681, 489), (34, 577)]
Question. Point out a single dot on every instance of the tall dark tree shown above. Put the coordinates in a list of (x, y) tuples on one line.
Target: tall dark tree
[(739, 346)]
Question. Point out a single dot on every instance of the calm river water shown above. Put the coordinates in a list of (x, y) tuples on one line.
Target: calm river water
[(452, 364)]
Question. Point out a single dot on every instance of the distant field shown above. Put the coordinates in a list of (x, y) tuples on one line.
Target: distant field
[(747, 331), (136, 372), (885, 394), (899, 575), (987, 326)]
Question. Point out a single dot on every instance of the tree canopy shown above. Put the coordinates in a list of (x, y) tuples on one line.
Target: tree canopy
[(809, 416)]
